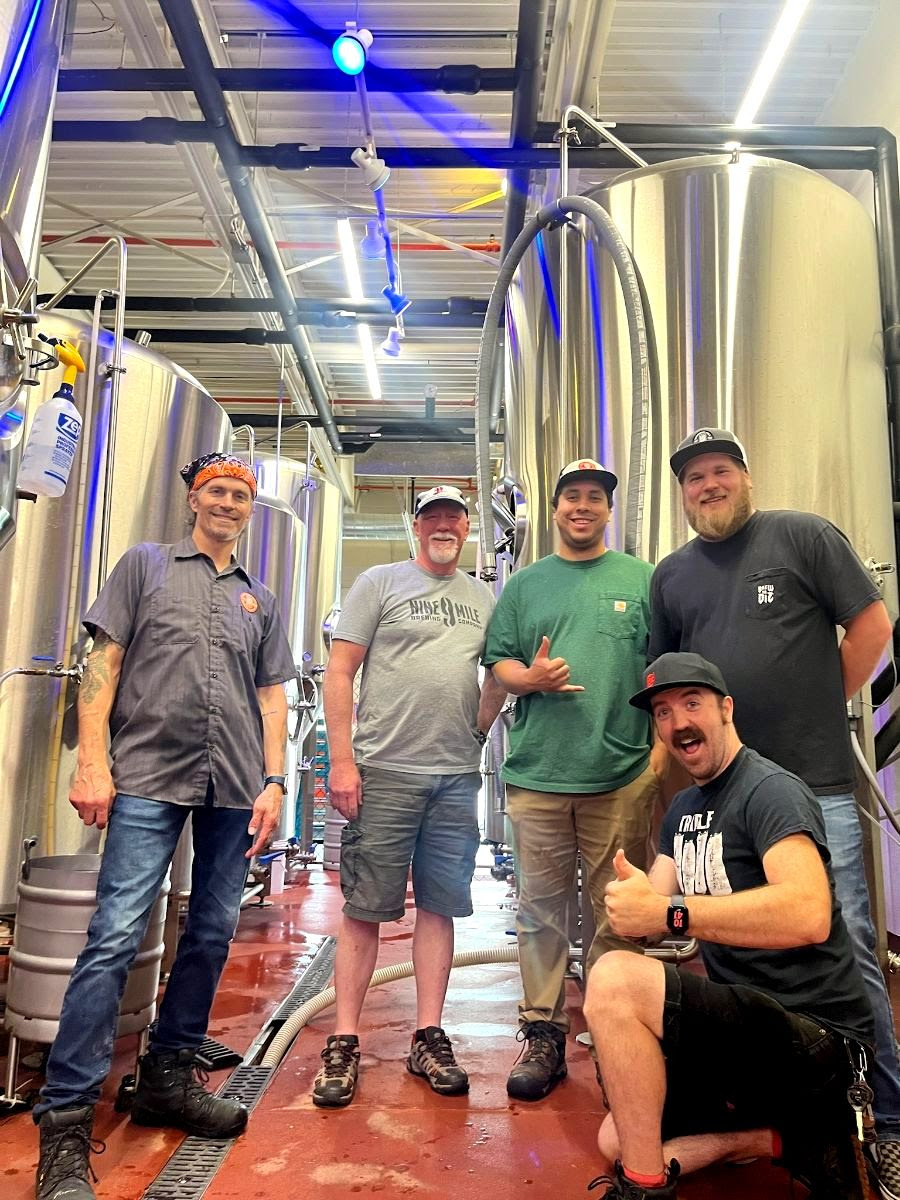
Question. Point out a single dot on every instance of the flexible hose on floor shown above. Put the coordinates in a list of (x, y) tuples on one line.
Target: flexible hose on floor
[(281, 1043)]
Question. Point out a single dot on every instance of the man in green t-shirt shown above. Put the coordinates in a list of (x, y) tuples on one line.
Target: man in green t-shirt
[(568, 638)]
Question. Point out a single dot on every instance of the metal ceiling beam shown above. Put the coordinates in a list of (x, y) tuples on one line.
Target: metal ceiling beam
[(466, 79), (253, 335), (188, 37), (532, 34)]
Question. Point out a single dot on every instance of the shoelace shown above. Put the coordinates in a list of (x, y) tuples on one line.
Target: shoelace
[(441, 1050), (337, 1057), (601, 1179), (537, 1044), (68, 1151)]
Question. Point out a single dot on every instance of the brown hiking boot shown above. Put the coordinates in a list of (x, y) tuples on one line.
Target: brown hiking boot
[(431, 1056), (335, 1083)]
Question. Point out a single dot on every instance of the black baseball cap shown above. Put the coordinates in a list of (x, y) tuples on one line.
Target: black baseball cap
[(707, 440), (680, 669)]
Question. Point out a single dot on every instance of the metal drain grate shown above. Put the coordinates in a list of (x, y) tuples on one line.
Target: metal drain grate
[(195, 1164)]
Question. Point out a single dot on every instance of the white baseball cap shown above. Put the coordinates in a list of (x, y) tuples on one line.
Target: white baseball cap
[(442, 492), (586, 468)]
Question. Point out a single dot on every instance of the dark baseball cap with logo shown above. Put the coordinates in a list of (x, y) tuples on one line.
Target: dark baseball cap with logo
[(585, 468), (678, 670), (707, 441)]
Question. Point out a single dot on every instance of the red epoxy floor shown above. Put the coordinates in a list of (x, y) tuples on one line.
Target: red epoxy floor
[(397, 1138)]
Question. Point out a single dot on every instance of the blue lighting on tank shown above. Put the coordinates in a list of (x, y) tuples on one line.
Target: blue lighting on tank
[(19, 56), (349, 54), (604, 422), (548, 284)]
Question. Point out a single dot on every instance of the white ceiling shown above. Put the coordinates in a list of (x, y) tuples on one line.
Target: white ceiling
[(665, 61)]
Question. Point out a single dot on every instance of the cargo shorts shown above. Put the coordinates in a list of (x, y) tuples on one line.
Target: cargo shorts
[(430, 821)]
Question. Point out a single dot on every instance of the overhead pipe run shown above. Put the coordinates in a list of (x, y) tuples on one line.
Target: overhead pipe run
[(188, 37), (452, 307), (465, 79), (532, 34)]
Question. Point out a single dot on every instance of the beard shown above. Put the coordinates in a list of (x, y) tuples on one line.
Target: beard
[(724, 521), (442, 552)]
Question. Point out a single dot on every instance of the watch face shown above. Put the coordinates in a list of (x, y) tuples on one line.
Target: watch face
[(677, 918)]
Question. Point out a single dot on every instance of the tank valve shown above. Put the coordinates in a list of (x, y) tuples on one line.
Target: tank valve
[(878, 569)]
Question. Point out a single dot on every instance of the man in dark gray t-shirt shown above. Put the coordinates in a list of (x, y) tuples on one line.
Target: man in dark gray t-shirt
[(408, 781), (186, 674), (761, 595)]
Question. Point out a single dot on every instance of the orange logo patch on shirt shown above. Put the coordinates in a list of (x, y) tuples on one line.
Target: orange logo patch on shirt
[(249, 602), (620, 606)]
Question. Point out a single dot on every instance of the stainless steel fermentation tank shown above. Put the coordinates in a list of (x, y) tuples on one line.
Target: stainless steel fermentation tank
[(52, 568), (31, 33), (762, 284), (319, 506)]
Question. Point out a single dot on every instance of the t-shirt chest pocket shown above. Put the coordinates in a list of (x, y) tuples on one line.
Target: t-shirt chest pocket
[(174, 620), (619, 616), (767, 594)]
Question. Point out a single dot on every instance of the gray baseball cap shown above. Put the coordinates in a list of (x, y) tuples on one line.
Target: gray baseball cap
[(707, 440)]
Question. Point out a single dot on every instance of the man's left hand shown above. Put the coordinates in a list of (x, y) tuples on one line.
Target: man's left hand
[(266, 813), (634, 907)]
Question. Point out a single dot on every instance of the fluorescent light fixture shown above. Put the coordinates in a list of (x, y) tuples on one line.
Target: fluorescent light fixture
[(782, 36), (355, 288), (16, 67)]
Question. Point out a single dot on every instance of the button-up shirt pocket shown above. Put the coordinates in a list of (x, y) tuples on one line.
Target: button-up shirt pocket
[(174, 620)]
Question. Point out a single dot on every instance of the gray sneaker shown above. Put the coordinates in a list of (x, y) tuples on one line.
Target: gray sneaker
[(335, 1083), (431, 1056), (66, 1144)]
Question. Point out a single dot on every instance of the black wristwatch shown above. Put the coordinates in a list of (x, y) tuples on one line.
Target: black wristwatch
[(279, 779), (678, 918), (480, 736)]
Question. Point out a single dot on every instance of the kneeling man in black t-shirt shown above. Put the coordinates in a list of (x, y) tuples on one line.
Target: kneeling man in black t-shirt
[(755, 1059)]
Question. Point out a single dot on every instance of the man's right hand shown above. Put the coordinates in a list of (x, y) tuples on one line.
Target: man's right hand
[(345, 788), (548, 674), (92, 793)]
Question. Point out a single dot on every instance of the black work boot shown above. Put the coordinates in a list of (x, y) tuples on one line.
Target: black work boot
[(541, 1065), (64, 1165), (622, 1188), (170, 1092)]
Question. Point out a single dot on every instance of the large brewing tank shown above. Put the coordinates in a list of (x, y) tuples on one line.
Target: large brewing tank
[(762, 282), (52, 569), (30, 43), (320, 506)]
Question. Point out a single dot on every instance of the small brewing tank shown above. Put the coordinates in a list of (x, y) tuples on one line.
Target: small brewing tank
[(55, 904)]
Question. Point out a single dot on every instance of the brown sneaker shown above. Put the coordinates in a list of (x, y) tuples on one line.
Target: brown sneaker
[(431, 1056), (335, 1083)]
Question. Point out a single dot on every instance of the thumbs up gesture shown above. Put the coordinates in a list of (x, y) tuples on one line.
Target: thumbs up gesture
[(633, 906), (548, 674)]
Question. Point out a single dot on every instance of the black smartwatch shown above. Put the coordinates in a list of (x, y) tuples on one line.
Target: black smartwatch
[(678, 918), (279, 779)]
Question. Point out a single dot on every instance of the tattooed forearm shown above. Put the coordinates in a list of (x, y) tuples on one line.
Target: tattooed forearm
[(98, 673)]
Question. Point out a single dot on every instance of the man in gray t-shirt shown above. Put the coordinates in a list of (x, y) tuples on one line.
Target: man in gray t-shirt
[(408, 782)]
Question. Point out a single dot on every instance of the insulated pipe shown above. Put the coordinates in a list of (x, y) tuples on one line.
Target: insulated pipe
[(554, 214), (281, 1043), (188, 37)]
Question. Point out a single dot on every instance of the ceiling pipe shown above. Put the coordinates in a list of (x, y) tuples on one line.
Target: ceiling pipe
[(532, 34), (188, 37), (288, 156), (452, 306), (464, 79)]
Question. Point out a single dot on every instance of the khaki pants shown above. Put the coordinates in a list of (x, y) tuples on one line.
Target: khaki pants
[(549, 829)]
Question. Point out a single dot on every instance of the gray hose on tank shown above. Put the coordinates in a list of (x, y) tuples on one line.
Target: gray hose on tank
[(554, 214), (281, 1043)]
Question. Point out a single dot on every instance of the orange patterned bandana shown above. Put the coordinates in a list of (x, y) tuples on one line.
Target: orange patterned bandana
[(211, 466)]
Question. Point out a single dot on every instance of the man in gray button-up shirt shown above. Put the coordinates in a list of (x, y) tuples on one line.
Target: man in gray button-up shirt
[(186, 674)]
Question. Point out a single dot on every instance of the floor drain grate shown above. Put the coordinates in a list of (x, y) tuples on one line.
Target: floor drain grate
[(195, 1164)]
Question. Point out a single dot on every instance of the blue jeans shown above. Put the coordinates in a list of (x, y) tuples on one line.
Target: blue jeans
[(844, 835), (140, 842)]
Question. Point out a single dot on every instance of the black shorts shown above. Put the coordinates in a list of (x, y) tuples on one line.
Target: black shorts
[(735, 1059)]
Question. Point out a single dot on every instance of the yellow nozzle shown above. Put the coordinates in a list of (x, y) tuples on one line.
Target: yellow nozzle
[(70, 357)]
